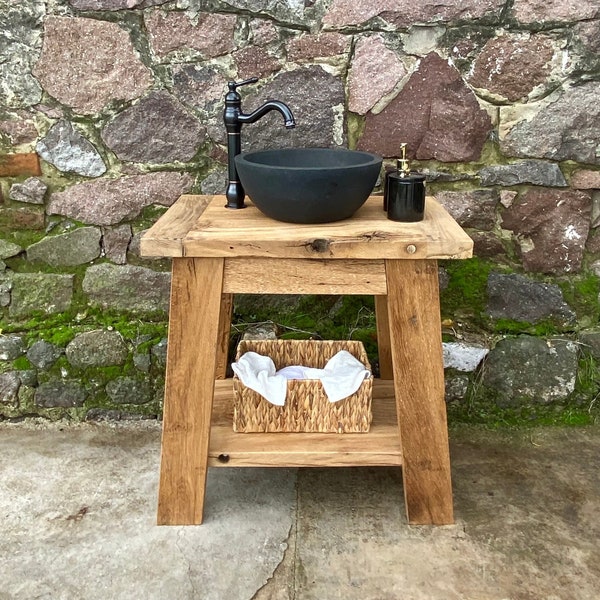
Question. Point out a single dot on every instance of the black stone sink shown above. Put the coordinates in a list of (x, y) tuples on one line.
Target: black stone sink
[(308, 185)]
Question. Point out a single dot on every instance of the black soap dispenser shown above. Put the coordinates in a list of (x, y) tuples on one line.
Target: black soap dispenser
[(404, 193)]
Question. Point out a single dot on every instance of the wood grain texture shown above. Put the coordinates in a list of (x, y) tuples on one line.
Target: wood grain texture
[(367, 235), (224, 329), (165, 237), (379, 447), (304, 276), (384, 346), (415, 333), (191, 366)]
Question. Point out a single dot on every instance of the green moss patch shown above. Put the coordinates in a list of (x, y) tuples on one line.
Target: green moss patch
[(22, 364), (508, 326), (60, 329), (491, 416), (466, 294), (581, 293)]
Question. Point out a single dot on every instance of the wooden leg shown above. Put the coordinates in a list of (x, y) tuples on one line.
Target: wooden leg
[(383, 338), (416, 341), (191, 362), (224, 329)]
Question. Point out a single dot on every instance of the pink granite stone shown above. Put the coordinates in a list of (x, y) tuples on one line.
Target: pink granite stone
[(375, 71), (117, 200), (347, 13), (19, 129), (200, 86), (263, 32), (86, 63), (308, 46), (486, 244), (158, 129), (113, 4), (255, 61), (586, 180), (353, 12), (589, 33), (170, 30), (115, 241), (435, 113), (475, 209), (552, 227), (536, 11), (512, 65)]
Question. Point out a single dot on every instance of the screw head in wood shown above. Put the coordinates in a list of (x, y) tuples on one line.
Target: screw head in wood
[(411, 248)]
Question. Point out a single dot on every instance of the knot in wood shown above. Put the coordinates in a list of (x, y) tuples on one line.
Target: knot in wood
[(319, 245)]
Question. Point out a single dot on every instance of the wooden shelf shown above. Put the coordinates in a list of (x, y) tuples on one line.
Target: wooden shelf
[(380, 447)]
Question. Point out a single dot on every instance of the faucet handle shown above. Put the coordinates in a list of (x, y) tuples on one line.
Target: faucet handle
[(233, 84)]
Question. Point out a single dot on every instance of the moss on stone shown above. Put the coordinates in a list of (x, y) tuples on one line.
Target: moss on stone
[(581, 408), (26, 237), (488, 414), (581, 293), (587, 385), (466, 294), (59, 329), (541, 328), (22, 364), (149, 215)]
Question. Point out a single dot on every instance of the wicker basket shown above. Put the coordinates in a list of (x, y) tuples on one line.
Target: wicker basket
[(307, 408)]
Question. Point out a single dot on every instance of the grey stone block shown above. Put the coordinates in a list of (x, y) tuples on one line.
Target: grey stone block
[(43, 354), (9, 387), (32, 190), (59, 393), (127, 390), (522, 299), (70, 152), (537, 172), (99, 348), (11, 347), (127, 287), (530, 370), (31, 292), (75, 247)]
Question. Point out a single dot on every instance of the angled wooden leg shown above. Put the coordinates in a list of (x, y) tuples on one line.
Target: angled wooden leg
[(224, 329), (383, 338), (191, 362), (416, 341)]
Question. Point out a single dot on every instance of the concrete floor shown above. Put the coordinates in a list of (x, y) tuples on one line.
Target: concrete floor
[(78, 502)]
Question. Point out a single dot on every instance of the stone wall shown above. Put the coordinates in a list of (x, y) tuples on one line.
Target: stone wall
[(110, 109)]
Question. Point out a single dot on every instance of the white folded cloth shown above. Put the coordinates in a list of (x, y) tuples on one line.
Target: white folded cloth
[(341, 376)]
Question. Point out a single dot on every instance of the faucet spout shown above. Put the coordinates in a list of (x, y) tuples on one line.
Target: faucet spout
[(234, 118), (261, 111)]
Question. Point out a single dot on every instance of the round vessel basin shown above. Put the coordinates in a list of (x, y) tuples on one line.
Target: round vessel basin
[(308, 185)]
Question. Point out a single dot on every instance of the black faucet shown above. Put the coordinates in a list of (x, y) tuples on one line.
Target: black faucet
[(234, 119)]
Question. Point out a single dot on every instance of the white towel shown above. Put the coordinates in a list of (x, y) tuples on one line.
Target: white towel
[(258, 373), (341, 376)]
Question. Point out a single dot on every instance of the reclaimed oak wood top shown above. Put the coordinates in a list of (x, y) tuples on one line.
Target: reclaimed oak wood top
[(200, 226)]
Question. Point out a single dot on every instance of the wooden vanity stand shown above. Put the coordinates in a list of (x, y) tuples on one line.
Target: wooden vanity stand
[(217, 253)]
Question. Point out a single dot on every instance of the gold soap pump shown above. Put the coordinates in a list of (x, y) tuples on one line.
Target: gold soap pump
[(404, 192), (402, 164)]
